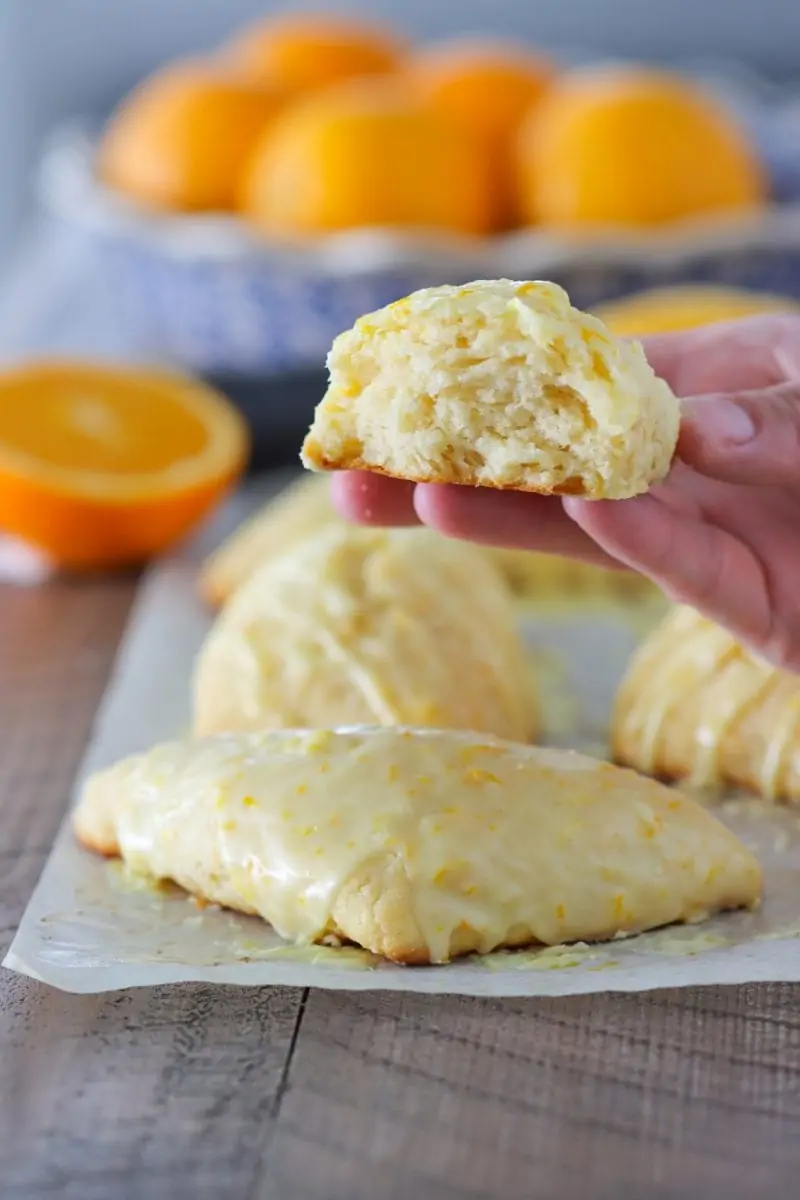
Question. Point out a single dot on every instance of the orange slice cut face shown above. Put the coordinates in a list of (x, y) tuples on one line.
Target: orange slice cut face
[(103, 467)]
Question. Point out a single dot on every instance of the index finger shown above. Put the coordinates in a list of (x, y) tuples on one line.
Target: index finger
[(370, 499)]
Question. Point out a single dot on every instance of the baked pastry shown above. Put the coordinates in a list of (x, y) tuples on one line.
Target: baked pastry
[(417, 845), (304, 509), (299, 511), (533, 576), (369, 626), (696, 704), (498, 384)]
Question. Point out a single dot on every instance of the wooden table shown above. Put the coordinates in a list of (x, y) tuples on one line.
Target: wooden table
[(197, 1091)]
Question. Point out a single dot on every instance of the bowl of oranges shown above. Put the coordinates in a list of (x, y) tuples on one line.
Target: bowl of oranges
[(249, 205)]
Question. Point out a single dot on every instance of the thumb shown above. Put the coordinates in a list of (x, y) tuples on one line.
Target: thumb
[(744, 437)]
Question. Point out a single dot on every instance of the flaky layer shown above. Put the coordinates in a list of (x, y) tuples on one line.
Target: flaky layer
[(498, 384), (696, 704), (419, 845)]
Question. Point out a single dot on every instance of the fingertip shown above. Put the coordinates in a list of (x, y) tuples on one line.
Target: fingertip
[(433, 506), (368, 499), (347, 494), (572, 505), (582, 511)]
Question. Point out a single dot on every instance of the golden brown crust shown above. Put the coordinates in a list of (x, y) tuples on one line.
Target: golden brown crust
[(107, 846), (96, 830), (570, 487), (211, 591)]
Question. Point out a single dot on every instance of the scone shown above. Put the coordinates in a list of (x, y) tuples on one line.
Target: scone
[(417, 845), (696, 704), (498, 384), (369, 626), (299, 511)]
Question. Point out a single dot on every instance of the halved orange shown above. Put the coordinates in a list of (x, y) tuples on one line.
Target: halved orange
[(104, 467)]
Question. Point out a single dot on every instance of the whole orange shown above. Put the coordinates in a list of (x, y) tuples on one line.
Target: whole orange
[(633, 147), (180, 140), (491, 87), (366, 155), (303, 53)]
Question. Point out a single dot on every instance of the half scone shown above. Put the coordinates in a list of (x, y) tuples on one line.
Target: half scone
[(498, 384), (419, 845), (305, 508), (696, 704), (369, 627)]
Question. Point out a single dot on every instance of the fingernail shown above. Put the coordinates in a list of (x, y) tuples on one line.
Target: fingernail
[(722, 419)]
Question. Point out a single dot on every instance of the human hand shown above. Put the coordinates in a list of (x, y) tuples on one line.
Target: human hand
[(721, 533)]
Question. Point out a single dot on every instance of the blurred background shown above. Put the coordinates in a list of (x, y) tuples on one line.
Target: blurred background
[(65, 56), (222, 186)]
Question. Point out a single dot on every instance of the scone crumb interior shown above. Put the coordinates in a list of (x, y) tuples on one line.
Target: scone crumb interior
[(498, 383)]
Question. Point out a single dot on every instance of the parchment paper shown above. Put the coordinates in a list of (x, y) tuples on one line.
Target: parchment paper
[(90, 927)]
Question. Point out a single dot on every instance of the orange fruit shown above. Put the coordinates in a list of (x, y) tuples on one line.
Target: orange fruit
[(366, 155), (181, 139), (304, 53), (633, 147), (489, 87), (102, 467), (670, 309)]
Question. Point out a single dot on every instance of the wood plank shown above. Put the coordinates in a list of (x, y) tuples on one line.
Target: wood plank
[(142, 1093), (672, 1094), (164, 1092), (57, 647)]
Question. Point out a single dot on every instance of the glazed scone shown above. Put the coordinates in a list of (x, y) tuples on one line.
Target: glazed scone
[(417, 845), (369, 626), (696, 704), (498, 384), (299, 511)]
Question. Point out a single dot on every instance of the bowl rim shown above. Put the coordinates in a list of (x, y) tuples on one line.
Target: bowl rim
[(68, 188)]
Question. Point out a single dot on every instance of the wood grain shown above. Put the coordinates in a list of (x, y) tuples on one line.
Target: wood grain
[(196, 1091)]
